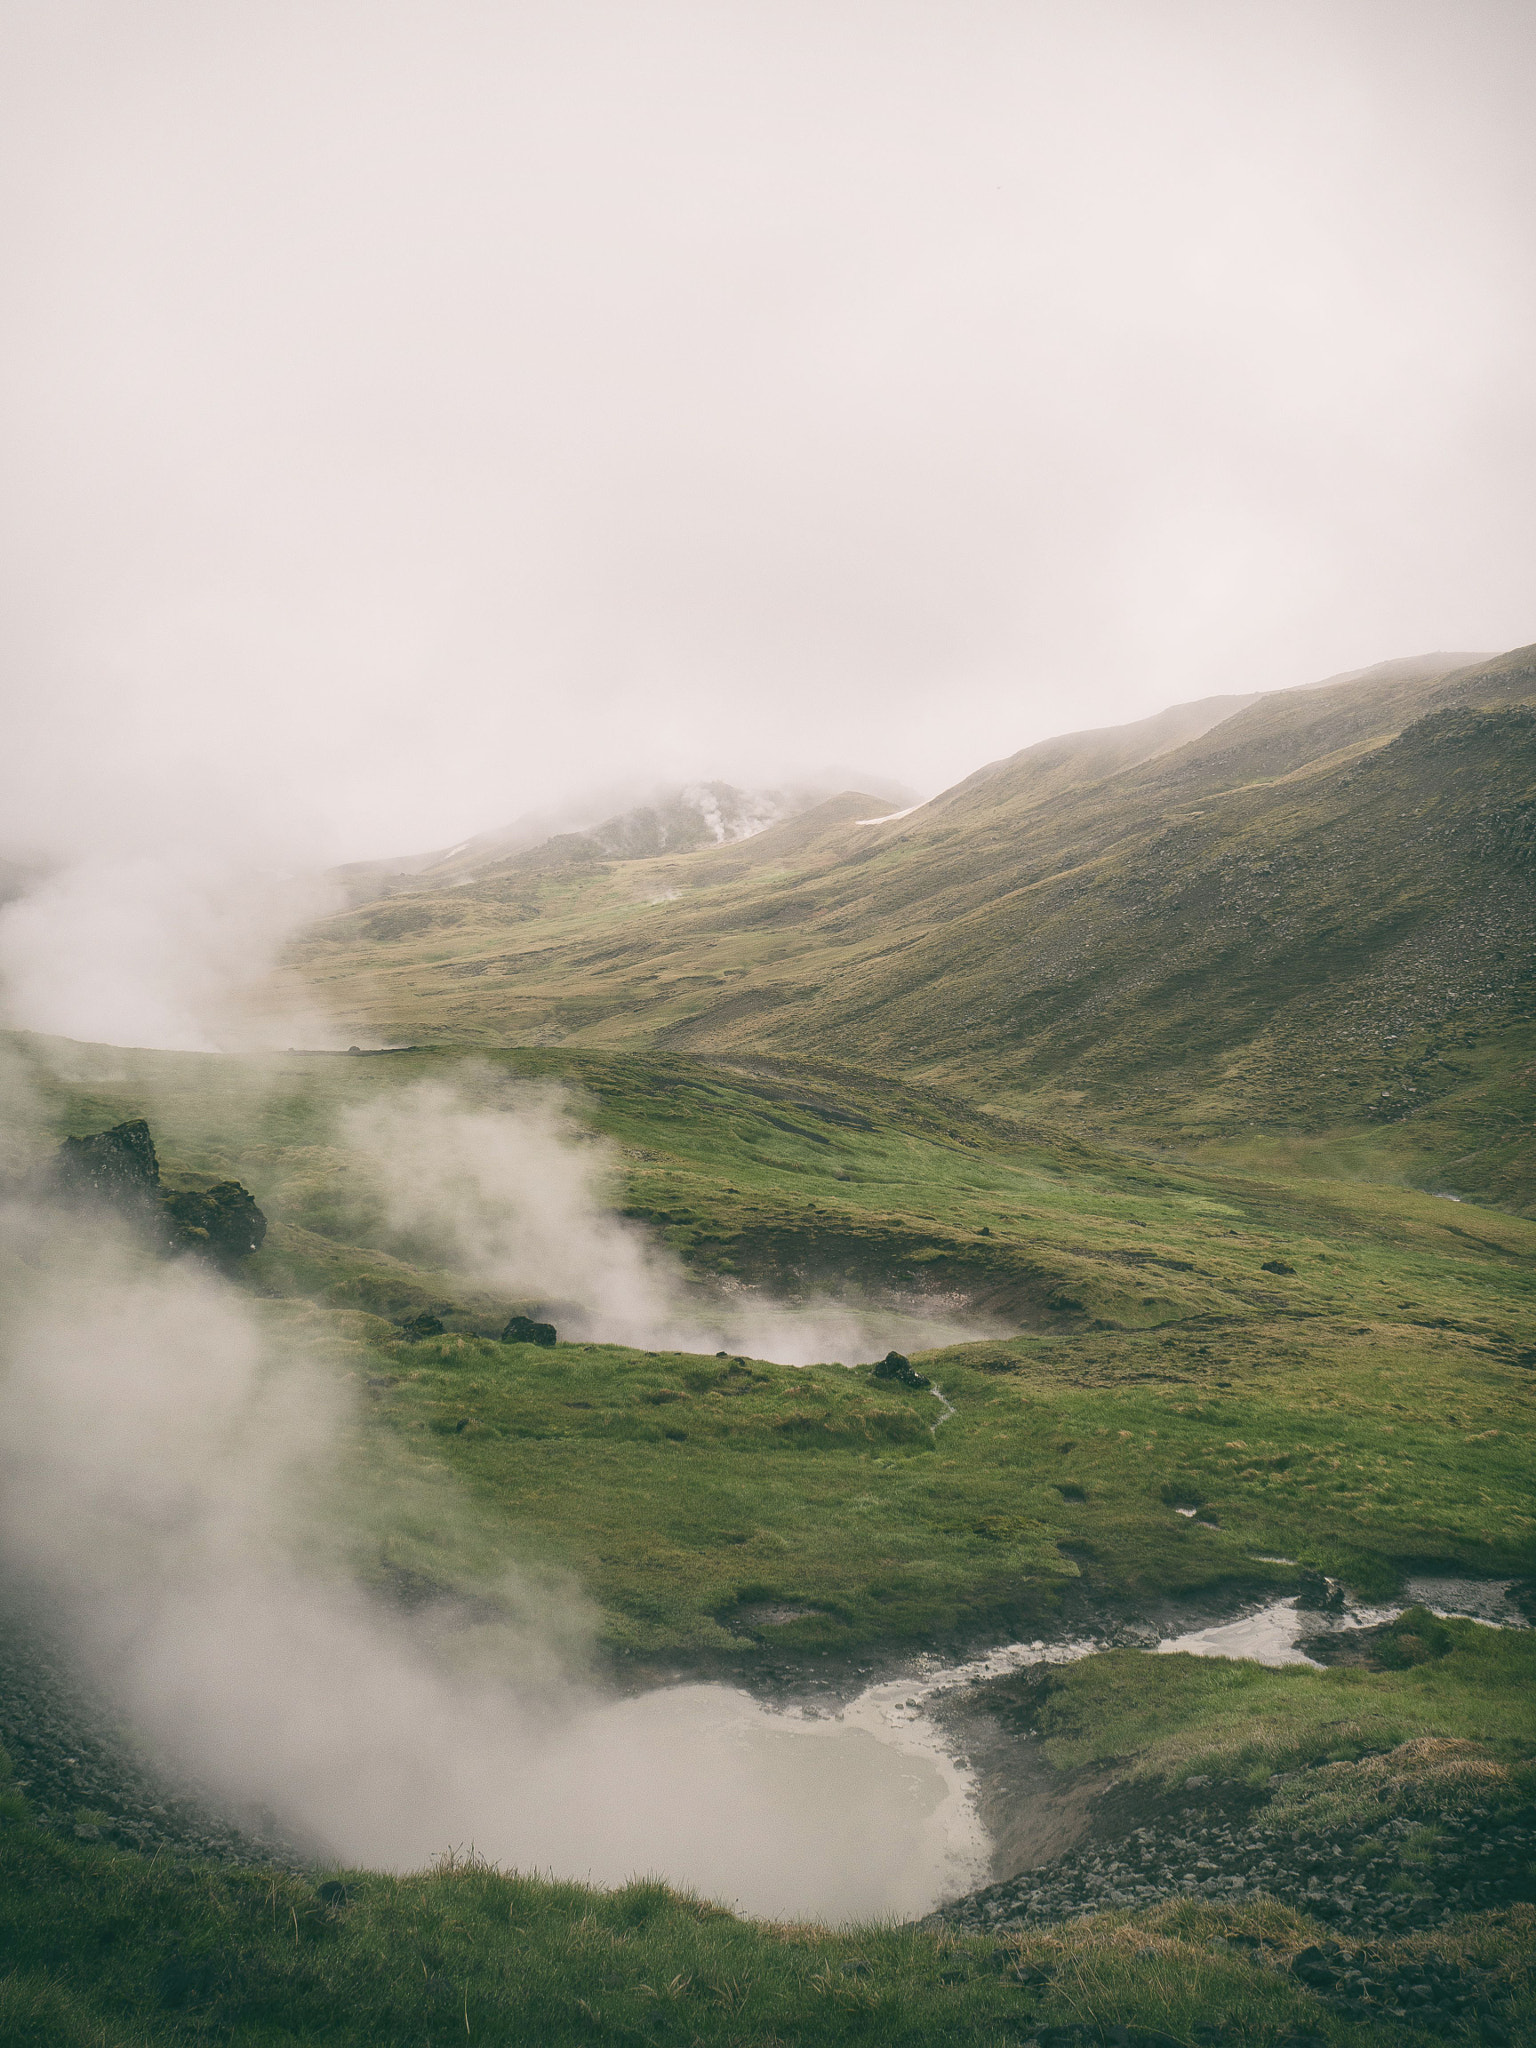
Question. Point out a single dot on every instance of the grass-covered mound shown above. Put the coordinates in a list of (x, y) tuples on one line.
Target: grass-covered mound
[(1174, 1716)]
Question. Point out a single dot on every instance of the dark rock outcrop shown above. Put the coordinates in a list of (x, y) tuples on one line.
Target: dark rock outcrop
[(1319, 1594), (117, 1166), (894, 1367), (424, 1325), (120, 1168), (222, 1222), (524, 1330)]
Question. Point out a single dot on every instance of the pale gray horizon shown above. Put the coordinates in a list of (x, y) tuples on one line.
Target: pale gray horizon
[(415, 416)]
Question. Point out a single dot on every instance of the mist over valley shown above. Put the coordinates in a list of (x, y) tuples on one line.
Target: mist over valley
[(767, 1062)]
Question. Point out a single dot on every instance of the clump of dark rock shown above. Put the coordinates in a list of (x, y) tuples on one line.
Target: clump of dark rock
[(117, 1166), (1319, 1594), (120, 1168), (1278, 1266), (223, 1221), (524, 1330), (424, 1325), (894, 1367)]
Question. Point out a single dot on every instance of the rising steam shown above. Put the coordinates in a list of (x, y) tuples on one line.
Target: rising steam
[(520, 1197), (166, 945), (165, 1469)]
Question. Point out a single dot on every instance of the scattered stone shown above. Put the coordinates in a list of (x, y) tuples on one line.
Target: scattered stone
[(1209, 1841), (524, 1330)]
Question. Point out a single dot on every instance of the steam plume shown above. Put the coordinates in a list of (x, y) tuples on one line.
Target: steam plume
[(163, 1469), (521, 1198)]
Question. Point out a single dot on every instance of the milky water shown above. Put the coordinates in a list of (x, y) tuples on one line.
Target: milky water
[(890, 1810), (1269, 1635), (884, 1811)]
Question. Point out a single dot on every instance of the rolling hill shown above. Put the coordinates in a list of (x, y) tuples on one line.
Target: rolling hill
[(1307, 915)]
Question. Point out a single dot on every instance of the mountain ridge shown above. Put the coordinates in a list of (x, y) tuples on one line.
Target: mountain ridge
[(1274, 924)]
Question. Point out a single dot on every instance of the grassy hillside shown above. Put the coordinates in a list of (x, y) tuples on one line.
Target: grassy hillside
[(1333, 1373), (1313, 920), (1158, 1053)]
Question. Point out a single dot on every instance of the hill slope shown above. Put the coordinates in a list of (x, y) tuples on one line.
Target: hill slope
[(1312, 913)]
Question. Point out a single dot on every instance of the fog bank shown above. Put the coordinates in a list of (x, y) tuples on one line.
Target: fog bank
[(405, 409)]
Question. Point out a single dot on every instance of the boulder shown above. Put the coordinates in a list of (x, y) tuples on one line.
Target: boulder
[(424, 1325), (894, 1367), (524, 1330), (120, 1167), (221, 1223), (117, 1166)]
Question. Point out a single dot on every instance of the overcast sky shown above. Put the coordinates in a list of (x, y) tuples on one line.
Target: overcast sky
[(415, 411)]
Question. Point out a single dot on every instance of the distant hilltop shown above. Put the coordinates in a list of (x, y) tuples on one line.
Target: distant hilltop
[(680, 819)]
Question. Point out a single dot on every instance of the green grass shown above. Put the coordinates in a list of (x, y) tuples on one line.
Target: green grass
[(104, 1950), (1159, 1069), (1314, 920), (1367, 1412), (1169, 1716), (680, 1489)]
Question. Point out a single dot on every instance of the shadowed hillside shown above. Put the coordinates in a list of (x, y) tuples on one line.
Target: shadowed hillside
[(1305, 913)]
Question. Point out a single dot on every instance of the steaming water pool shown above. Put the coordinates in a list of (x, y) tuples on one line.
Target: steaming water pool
[(868, 1811)]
